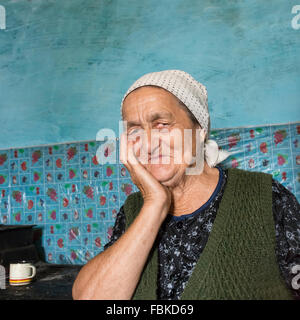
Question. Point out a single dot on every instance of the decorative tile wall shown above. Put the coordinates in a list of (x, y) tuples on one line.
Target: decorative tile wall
[(74, 199), (271, 149)]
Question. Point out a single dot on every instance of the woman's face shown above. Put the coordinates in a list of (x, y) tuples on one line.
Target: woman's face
[(162, 151)]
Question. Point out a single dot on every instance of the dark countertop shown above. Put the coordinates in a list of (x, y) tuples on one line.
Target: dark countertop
[(52, 282)]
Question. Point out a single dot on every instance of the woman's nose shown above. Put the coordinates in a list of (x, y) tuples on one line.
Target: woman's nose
[(150, 142)]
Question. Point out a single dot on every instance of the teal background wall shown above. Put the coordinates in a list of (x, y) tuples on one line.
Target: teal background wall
[(65, 64)]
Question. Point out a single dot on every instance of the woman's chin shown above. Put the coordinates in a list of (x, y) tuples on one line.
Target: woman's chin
[(162, 172)]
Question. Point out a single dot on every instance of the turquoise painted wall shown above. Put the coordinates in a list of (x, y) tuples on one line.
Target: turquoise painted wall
[(65, 64)]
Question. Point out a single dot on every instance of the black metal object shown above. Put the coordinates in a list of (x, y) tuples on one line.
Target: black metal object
[(17, 255), (14, 236), (17, 244)]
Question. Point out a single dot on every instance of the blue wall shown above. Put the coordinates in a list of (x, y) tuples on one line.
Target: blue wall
[(65, 64)]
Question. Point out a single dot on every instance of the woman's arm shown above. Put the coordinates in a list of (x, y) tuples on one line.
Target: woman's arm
[(115, 272)]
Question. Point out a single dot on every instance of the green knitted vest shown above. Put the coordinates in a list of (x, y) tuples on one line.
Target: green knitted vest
[(238, 261)]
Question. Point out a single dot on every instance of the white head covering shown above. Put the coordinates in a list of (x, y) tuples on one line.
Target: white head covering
[(194, 95)]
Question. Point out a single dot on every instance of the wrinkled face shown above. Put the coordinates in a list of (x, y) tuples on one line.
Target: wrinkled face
[(157, 123)]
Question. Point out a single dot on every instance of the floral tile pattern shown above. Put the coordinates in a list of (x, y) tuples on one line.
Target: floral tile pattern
[(64, 190)]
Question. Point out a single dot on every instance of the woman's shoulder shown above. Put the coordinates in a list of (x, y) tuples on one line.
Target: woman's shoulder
[(249, 179), (240, 171), (283, 197)]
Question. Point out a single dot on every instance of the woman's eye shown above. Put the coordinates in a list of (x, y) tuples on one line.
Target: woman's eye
[(162, 126), (133, 131)]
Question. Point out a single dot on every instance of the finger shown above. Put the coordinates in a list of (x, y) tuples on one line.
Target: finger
[(138, 171), (132, 159), (139, 175), (137, 148), (123, 149)]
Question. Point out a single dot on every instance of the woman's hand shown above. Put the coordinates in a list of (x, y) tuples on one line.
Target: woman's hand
[(152, 190)]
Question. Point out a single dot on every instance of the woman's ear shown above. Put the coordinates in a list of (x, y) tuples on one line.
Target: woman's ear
[(203, 133)]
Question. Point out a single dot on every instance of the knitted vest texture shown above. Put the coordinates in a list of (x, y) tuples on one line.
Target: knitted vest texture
[(239, 260)]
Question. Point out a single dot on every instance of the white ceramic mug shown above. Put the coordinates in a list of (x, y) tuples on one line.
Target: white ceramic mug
[(21, 273)]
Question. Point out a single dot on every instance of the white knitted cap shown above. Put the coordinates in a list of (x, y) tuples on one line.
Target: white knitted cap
[(182, 85), (194, 95)]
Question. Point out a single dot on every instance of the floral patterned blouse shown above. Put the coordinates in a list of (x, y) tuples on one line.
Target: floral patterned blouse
[(183, 238)]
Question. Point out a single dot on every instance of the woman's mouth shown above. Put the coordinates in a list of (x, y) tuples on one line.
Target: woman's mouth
[(158, 159)]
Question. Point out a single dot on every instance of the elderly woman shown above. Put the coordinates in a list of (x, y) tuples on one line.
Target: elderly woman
[(204, 234)]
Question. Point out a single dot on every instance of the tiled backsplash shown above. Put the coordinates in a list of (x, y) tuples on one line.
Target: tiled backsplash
[(65, 191)]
